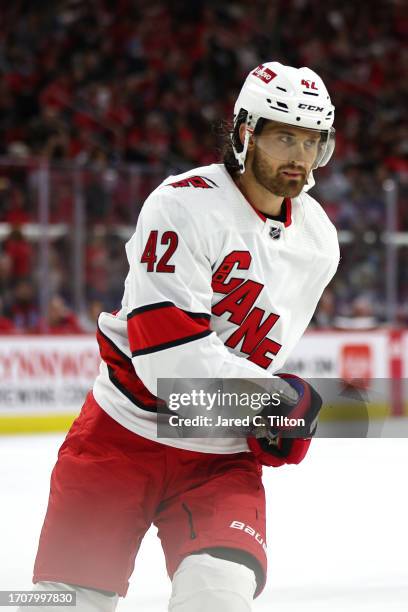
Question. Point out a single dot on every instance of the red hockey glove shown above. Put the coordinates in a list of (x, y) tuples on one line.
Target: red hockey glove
[(267, 442)]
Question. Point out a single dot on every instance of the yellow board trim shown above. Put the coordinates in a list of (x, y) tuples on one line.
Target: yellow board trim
[(354, 411), (43, 423), (35, 423)]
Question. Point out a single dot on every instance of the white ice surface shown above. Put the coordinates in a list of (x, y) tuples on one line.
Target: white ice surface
[(337, 531)]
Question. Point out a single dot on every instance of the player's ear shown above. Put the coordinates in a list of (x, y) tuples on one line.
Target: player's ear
[(242, 129)]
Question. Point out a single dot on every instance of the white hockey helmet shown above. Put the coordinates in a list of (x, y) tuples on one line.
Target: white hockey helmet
[(294, 96)]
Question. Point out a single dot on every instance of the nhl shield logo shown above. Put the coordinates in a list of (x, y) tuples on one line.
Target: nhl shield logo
[(275, 233)]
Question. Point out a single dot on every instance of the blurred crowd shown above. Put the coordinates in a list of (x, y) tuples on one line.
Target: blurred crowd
[(107, 98)]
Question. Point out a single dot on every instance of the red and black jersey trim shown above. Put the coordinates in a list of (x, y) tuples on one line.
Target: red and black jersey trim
[(123, 375), (288, 220), (158, 305), (166, 345), (157, 327)]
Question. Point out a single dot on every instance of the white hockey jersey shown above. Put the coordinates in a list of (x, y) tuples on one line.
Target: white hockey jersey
[(214, 290)]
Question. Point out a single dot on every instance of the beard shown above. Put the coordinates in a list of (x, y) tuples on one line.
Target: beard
[(274, 181)]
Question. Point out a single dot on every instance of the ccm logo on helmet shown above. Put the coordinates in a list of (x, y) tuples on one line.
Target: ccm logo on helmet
[(311, 108), (264, 74)]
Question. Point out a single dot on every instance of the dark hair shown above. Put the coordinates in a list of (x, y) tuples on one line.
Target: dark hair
[(230, 134)]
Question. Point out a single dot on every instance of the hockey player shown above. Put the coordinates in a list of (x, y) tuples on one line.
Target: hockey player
[(226, 267)]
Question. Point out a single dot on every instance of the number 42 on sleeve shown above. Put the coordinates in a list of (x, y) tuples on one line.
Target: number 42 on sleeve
[(149, 256)]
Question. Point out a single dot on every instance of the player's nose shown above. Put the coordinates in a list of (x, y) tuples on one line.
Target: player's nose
[(300, 156)]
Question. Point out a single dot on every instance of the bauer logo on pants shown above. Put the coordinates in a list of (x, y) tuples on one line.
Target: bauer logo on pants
[(250, 531)]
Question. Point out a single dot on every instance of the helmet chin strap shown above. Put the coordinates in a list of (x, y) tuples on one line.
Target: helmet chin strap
[(241, 156), (310, 182)]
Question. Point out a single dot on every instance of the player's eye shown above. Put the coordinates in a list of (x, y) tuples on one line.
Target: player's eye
[(286, 139)]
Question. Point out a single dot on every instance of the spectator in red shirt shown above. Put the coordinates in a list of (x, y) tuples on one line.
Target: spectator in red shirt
[(20, 251), (61, 319), (16, 208), (6, 325), (24, 310)]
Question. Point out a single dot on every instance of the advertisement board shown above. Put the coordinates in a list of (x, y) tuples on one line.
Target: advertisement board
[(44, 379)]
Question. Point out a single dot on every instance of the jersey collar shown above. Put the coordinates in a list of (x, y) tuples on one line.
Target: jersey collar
[(288, 208)]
